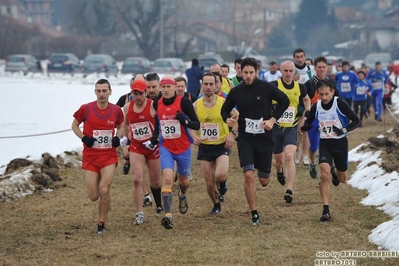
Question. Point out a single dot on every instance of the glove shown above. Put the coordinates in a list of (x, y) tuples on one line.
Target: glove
[(148, 144), (89, 141), (179, 116), (306, 127), (338, 131), (116, 142), (154, 140), (123, 141), (307, 113)]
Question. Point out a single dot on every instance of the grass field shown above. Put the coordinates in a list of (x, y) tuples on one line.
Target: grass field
[(59, 228)]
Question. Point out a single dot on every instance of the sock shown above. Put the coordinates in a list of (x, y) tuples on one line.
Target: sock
[(147, 196), (140, 214), (102, 222), (222, 188), (156, 192), (167, 201), (216, 204), (326, 209), (183, 188)]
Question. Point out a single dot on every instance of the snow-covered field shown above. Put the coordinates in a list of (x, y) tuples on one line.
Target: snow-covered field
[(36, 116)]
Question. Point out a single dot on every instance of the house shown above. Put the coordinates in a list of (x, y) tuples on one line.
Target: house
[(36, 11)]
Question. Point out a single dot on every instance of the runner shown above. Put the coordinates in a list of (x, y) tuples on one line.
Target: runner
[(141, 126), (214, 141), (333, 115), (176, 115), (99, 160), (253, 99)]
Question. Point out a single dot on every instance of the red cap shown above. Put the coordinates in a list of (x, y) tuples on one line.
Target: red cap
[(138, 85)]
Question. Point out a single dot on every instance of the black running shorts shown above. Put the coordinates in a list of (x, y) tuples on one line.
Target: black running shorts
[(255, 151)]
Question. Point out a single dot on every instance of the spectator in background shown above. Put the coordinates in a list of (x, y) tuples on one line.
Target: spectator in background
[(194, 76)]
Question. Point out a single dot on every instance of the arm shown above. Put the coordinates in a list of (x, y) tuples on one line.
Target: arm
[(228, 105), (75, 128), (346, 110), (188, 109), (305, 96)]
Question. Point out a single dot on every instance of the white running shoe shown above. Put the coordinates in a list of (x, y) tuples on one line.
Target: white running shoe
[(297, 158), (306, 160), (139, 219)]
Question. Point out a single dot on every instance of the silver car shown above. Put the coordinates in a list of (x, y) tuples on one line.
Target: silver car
[(22, 63), (171, 65), (100, 63)]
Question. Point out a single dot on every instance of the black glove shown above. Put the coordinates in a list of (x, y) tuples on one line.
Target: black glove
[(179, 116), (154, 140), (307, 113), (116, 142), (306, 127), (88, 141), (338, 131)]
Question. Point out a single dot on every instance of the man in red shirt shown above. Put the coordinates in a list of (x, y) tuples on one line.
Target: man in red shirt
[(99, 118)]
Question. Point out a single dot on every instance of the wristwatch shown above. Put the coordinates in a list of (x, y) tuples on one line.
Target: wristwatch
[(234, 132)]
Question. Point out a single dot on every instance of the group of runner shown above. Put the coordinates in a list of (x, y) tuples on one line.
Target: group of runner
[(159, 124)]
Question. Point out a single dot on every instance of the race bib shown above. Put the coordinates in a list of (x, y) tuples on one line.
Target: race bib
[(360, 90), (210, 131), (288, 115), (141, 131), (254, 126), (104, 139), (378, 85), (326, 129), (170, 129), (345, 87)]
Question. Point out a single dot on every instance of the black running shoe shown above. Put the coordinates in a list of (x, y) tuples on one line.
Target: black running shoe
[(167, 222), (313, 171), (334, 176), (325, 217), (288, 196), (281, 178), (159, 211), (101, 228), (255, 220), (216, 209), (126, 168)]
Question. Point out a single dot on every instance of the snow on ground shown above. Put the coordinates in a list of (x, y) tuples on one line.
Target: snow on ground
[(35, 107)]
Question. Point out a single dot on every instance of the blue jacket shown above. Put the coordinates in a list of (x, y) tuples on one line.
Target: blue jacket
[(345, 82), (194, 76)]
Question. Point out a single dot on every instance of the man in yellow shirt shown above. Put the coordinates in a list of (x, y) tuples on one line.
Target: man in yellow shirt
[(214, 140)]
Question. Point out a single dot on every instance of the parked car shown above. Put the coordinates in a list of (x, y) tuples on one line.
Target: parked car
[(384, 58), (100, 63), (170, 65), (63, 62), (209, 58), (136, 65), (22, 63)]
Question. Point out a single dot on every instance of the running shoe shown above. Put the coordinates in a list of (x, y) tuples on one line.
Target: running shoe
[(297, 158), (139, 219), (167, 222), (334, 176), (159, 210), (183, 204), (101, 228), (216, 209), (221, 198), (126, 168), (190, 176), (288, 196), (306, 160), (255, 220), (147, 201), (313, 171), (325, 217), (281, 178)]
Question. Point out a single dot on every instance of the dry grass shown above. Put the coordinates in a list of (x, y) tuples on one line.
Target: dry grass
[(59, 228)]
